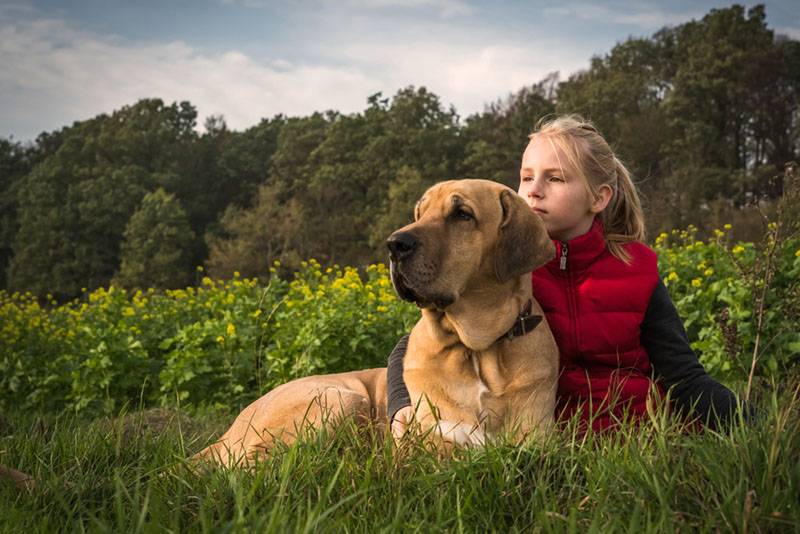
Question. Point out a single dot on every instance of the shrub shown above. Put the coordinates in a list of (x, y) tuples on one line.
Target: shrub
[(717, 286), (226, 341)]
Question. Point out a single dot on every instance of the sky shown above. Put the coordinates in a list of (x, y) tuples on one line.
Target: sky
[(69, 60)]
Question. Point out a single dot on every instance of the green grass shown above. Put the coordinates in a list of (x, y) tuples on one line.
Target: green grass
[(128, 475)]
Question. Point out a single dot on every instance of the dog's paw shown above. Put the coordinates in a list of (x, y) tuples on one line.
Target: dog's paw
[(460, 434)]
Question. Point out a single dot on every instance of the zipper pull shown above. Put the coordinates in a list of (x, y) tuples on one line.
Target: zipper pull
[(564, 251)]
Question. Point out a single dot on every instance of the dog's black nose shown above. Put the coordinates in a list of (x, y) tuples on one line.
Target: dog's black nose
[(401, 244)]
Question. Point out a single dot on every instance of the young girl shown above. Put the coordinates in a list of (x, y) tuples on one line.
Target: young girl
[(616, 327)]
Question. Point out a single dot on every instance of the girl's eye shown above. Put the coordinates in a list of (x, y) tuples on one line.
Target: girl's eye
[(555, 179)]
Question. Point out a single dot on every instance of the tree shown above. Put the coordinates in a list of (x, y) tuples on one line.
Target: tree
[(15, 163), (74, 204), (156, 250), (254, 238)]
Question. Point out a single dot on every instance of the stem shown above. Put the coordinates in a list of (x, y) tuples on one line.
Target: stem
[(762, 299)]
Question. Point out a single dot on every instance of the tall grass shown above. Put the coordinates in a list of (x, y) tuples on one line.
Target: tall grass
[(129, 474)]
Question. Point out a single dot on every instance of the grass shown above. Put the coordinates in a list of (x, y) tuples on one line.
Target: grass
[(128, 475)]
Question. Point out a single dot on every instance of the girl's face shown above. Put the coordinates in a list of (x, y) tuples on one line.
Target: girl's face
[(556, 192)]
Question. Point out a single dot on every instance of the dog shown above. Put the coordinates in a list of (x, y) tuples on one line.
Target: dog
[(480, 360)]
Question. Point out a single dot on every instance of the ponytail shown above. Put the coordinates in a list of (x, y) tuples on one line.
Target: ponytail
[(623, 220)]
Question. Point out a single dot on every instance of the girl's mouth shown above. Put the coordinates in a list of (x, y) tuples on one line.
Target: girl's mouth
[(539, 210)]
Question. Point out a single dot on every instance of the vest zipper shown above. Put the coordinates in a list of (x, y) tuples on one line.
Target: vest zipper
[(571, 304), (564, 251)]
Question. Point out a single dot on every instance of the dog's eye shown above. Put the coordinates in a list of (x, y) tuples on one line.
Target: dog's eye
[(462, 215)]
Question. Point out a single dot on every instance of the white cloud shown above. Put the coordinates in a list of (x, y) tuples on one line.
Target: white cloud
[(445, 8), (52, 74), (788, 31), (643, 15), (466, 75)]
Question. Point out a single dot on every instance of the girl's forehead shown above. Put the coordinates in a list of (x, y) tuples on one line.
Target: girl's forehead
[(544, 150)]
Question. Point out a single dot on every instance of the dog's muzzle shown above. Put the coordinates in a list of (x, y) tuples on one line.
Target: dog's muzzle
[(401, 247)]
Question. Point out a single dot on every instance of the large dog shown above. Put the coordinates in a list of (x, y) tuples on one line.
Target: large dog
[(480, 361)]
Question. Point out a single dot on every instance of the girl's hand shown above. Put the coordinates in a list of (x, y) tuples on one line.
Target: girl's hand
[(402, 418)]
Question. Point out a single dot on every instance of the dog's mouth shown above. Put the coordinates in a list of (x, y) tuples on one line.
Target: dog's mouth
[(406, 292), (401, 284)]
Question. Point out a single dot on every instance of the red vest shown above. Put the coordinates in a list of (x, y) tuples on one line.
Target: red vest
[(595, 305)]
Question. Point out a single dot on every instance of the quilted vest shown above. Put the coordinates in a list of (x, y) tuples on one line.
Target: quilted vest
[(595, 305)]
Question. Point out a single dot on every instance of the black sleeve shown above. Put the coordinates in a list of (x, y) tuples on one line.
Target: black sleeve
[(694, 392), (396, 390)]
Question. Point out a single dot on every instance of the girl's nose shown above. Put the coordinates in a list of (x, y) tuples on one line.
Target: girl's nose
[(536, 189)]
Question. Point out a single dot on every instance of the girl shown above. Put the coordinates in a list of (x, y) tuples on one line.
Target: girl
[(616, 327)]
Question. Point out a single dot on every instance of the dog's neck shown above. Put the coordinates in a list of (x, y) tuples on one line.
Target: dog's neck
[(481, 316)]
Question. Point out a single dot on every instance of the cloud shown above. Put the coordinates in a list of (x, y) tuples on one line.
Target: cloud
[(469, 76), (52, 74), (642, 15), (444, 8), (788, 31)]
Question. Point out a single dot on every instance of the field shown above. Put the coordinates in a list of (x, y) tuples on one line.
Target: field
[(104, 397)]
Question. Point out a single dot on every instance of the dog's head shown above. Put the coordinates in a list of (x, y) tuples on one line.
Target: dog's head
[(466, 235)]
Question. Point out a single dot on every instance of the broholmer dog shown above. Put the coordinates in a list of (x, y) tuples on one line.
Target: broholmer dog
[(478, 363)]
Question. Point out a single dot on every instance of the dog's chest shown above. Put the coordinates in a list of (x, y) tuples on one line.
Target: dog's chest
[(481, 389)]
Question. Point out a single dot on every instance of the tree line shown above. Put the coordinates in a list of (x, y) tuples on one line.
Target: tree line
[(705, 114)]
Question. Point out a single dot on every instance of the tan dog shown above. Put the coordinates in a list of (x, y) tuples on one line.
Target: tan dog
[(471, 367), (466, 261)]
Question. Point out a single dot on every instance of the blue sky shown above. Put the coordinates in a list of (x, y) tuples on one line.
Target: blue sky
[(68, 60)]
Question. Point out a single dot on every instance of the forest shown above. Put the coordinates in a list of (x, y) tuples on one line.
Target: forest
[(705, 114)]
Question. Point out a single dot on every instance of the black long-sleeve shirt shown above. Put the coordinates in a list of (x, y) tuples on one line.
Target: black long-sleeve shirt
[(675, 365)]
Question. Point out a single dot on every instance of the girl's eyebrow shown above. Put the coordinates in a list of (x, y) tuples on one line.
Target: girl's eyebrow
[(544, 171)]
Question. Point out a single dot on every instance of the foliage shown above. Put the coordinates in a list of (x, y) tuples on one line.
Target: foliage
[(224, 341), (716, 285), (156, 244)]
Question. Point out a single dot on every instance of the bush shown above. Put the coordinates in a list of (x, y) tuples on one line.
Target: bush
[(717, 286), (222, 342), (226, 342)]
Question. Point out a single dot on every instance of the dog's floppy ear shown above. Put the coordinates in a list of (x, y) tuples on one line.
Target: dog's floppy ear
[(522, 243)]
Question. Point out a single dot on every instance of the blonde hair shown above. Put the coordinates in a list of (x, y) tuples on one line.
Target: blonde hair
[(590, 156)]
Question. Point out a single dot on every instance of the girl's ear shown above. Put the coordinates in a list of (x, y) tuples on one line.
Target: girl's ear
[(602, 199)]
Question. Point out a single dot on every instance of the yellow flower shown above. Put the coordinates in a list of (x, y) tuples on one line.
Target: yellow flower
[(708, 272), (728, 226), (797, 253), (199, 268), (220, 339), (257, 312), (231, 330), (738, 249), (673, 276), (696, 282)]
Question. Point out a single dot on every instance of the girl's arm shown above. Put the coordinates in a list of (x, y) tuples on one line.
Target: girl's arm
[(396, 390), (676, 365)]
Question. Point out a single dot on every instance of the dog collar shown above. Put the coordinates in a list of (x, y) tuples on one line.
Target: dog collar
[(524, 323)]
